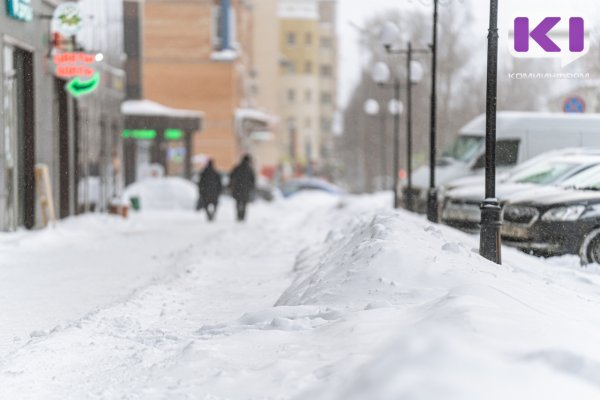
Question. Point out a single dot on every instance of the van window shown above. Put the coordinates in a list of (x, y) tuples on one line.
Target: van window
[(465, 148), (507, 152)]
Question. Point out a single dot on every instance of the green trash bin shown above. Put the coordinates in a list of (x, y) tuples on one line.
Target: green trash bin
[(135, 203)]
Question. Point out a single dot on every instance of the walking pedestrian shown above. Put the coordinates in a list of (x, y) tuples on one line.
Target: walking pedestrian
[(242, 183), (210, 188)]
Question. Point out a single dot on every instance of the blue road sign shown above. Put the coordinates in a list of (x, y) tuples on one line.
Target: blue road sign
[(574, 104)]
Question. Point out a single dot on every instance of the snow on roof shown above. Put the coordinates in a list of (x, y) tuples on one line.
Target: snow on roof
[(252, 114), (151, 108)]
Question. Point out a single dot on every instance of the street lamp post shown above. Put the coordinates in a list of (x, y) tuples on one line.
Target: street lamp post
[(432, 206), (371, 108), (396, 144), (490, 239), (414, 73), (389, 37), (381, 75)]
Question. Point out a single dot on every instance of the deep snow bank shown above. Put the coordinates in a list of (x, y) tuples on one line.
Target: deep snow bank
[(460, 326), (169, 193)]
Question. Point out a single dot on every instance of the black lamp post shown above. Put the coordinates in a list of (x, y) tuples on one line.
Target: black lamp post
[(413, 76), (372, 109), (490, 239), (390, 36), (432, 206), (381, 75)]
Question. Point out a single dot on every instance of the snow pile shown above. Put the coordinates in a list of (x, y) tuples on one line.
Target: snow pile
[(383, 307), (168, 193), (459, 326)]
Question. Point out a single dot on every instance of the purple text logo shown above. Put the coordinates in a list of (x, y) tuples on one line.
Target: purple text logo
[(550, 37)]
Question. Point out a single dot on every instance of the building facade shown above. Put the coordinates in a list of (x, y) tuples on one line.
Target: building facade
[(198, 56), (41, 123), (328, 80), (266, 84), (308, 70)]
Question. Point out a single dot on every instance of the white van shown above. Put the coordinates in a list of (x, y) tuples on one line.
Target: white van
[(519, 135)]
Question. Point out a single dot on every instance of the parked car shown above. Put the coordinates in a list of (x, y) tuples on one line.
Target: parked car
[(520, 137), (558, 220), (294, 186), (461, 206)]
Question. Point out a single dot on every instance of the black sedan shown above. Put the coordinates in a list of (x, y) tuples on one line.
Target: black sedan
[(561, 221)]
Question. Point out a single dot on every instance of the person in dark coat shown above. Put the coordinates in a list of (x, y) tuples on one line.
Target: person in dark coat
[(210, 189), (242, 182)]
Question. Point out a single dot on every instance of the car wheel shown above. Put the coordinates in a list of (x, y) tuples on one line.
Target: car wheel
[(590, 249)]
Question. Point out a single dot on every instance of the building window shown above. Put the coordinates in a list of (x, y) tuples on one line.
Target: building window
[(223, 26), (308, 123), (290, 67), (326, 70), (291, 95), (326, 98), (291, 39), (308, 38), (308, 67), (326, 124), (326, 42), (308, 96)]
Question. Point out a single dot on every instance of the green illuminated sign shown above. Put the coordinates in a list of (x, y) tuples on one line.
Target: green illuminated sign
[(140, 134), (78, 87), (20, 9), (173, 134)]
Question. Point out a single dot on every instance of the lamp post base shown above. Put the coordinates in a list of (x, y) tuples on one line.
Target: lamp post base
[(409, 196), (490, 239), (432, 205)]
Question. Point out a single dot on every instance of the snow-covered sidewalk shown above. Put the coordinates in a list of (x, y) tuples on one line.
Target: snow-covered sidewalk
[(311, 299)]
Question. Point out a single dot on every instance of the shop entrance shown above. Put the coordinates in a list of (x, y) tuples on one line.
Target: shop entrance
[(64, 149), (17, 181)]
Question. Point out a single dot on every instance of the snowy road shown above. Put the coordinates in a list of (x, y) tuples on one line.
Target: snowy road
[(379, 305)]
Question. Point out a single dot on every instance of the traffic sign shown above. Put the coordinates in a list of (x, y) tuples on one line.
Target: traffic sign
[(574, 104)]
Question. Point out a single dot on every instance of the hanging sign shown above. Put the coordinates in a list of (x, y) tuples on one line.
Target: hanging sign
[(73, 64), (67, 19), (78, 87), (19, 9)]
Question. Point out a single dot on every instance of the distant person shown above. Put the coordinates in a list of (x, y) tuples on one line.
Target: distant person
[(242, 183), (210, 189)]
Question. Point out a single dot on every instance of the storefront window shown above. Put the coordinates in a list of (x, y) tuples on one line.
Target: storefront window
[(8, 165)]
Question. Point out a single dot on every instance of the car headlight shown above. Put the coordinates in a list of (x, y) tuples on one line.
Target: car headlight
[(570, 213)]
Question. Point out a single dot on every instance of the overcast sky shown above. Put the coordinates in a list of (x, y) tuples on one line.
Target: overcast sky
[(358, 11)]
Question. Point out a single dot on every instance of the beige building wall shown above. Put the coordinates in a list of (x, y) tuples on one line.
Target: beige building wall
[(328, 57), (299, 41), (180, 70), (267, 82)]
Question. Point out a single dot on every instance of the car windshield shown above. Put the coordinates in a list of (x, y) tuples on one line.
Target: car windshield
[(465, 148), (589, 179), (544, 173)]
